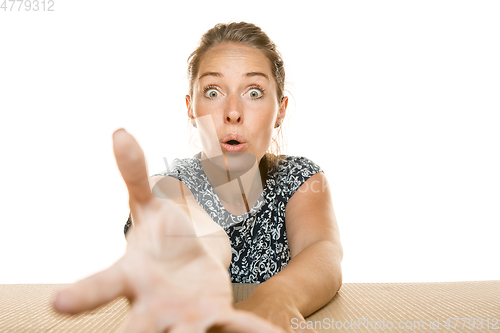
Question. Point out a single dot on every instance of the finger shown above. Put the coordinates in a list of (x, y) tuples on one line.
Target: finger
[(245, 322), (138, 322), (186, 328), (132, 165), (92, 291)]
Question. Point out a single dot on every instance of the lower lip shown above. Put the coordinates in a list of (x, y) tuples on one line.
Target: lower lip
[(231, 148)]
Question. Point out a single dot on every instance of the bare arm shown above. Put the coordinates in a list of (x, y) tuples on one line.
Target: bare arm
[(313, 275)]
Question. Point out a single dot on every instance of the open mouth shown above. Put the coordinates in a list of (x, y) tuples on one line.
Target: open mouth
[(233, 146), (233, 142)]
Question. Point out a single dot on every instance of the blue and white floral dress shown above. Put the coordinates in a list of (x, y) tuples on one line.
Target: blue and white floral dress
[(258, 238)]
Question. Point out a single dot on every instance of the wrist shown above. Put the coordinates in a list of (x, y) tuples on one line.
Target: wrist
[(277, 292), (272, 301)]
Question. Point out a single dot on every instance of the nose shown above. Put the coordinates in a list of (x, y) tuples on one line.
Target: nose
[(233, 113)]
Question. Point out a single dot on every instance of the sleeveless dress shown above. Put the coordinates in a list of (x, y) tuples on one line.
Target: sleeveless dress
[(258, 238)]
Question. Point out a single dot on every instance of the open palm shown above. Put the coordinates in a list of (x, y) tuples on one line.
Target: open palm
[(173, 282)]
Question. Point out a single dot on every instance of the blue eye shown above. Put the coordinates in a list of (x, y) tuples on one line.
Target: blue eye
[(212, 93), (255, 93)]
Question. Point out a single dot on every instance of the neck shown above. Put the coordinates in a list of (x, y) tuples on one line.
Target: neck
[(238, 188)]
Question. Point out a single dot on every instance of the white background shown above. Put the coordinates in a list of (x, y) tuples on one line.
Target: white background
[(397, 101)]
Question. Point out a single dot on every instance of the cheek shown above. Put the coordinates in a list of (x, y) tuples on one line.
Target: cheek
[(202, 105), (266, 117), (199, 108), (207, 129)]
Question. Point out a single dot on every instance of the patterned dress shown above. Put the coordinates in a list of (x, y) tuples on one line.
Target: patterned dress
[(258, 238)]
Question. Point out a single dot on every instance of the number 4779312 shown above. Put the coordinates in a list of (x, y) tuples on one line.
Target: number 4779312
[(27, 5)]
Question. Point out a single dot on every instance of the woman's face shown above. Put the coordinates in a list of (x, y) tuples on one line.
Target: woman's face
[(235, 93)]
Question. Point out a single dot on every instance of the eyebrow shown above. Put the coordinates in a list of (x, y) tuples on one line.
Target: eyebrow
[(218, 74), (256, 74), (211, 74)]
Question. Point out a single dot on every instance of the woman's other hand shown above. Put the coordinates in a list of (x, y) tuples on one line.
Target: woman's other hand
[(173, 282), (273, 305)]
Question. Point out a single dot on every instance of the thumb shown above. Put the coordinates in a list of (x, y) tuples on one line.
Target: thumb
[(132, 165)]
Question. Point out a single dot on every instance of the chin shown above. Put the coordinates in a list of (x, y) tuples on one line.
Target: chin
[(237, 163)]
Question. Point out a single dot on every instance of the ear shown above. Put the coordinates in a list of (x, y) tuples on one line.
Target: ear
[(282, 109), (189, 107)]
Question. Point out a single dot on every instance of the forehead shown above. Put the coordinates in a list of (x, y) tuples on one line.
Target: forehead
[(234, 58)]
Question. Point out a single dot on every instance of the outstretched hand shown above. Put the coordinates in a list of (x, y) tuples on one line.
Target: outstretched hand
[(173, 282)]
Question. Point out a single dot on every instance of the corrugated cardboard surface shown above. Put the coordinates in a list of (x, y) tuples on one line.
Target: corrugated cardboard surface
[(411, 307), (358, 307)]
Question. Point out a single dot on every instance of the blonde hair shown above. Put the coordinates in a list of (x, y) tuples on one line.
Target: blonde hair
[(251, 35)]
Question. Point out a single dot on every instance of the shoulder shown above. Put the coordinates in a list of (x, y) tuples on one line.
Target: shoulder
[(293, 171), (181, 168), (298, 164), (187, 171), (292, 167)]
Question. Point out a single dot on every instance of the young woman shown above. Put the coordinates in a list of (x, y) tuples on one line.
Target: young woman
[(234, 212)]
